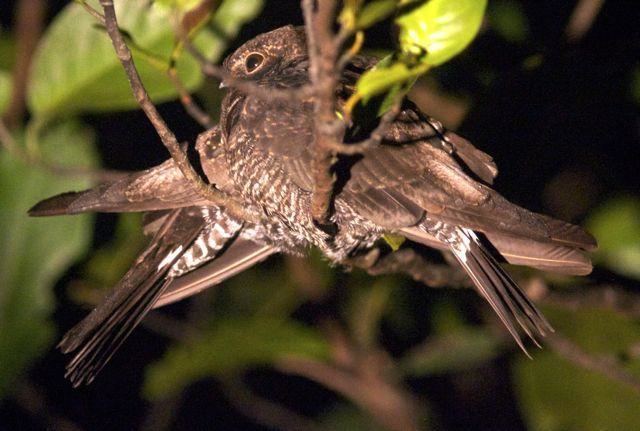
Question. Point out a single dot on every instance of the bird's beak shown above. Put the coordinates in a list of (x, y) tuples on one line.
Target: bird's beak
[(222, 85)]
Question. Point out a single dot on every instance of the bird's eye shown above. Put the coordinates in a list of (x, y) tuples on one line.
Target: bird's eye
[(253, 62)]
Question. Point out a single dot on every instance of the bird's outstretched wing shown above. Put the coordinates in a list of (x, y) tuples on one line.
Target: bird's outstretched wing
[(160, 187), (192, 248), (157, 188), (241, 254), (94, 340)]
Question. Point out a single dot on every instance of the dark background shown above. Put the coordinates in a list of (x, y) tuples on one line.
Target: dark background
[(565, 134)]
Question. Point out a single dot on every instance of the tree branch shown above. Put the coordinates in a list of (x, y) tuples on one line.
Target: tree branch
[(582, 18), (409, 262), (329, 131), (264, 411), (166, 135), (376, 136), (390, 406), (608, 367), (30, 18)]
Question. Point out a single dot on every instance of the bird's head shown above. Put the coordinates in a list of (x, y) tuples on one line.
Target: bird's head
[(270, 55)]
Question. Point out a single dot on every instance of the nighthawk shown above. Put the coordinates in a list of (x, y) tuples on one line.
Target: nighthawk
[(423, 182)]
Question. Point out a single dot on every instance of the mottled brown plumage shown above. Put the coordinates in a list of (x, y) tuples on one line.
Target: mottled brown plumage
[(422, 182)]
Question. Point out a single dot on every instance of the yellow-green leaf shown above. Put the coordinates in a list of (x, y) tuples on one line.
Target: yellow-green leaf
[(440, 28), (374, 12), (383, 77), (616, 225), (394, 241), (5, 90)]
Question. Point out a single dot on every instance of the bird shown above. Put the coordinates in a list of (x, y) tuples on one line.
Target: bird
[(422, 182)]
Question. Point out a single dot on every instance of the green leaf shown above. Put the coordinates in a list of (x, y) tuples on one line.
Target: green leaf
[(616, 225), (233, 345), (36, 251), (460, 350), (180, 5), (76, 70), (383, 77), (5, 90), (508, 19), (440, 28), (556, 395), (394, 241), (430, 34), (7, 50), (374, 12), (348, 417)]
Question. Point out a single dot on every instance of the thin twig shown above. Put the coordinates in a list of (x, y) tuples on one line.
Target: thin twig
[(409, 262), (390, 406), (582, 18), (187, 101), (12, 147), (34, 401), (30, 18), (603, 296), (93, 12), (185, 98), (166, 135), (376, 136), (608, 367), (264, 411), (342, 37), (190, 23)]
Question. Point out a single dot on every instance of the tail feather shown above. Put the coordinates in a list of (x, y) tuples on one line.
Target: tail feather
[(506, 298), (99, 335)]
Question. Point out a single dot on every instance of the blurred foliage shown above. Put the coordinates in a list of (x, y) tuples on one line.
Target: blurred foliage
[(181, 5), (7, 48), (373, 12), (5, 90), (558, 396), (507, 18), (89, 77), (616, 224), (231, 346), (348, 417), (36, 252), (111, 261), (366, 306), (262, 315), (456, 346)]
